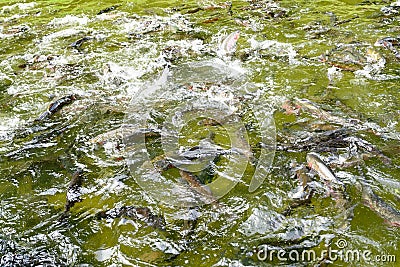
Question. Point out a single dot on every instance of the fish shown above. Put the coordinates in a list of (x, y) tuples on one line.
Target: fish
[(74, 190), (315, 110), (291, 108), (57, 106), (161, 163), (205, 151), (122, 133), (369, 148), (143, 214), (389, 43), (228, 44), (304, 191), (380, 207), (303, 177), (197, 186), (77, 44), (108, 9), (211, 20), (315, 162), (336, 187)]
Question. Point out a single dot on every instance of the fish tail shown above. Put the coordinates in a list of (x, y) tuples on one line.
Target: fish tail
[(43, 115)]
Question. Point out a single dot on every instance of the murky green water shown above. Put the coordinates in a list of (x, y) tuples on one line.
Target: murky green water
[(322, 51)]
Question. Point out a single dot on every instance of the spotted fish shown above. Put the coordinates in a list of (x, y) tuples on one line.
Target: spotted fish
[(228, 44)]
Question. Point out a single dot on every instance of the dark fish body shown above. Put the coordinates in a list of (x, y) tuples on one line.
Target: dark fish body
[(196, 185), (56, 106), (60, 103), (368, 147), (43, 115), (143, 214), (380, 207), (77, 44), (108, 9), (161, 163), (390, 43), (199, 152), (74, 190), (390, 10)]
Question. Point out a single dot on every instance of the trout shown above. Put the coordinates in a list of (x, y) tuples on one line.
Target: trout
[(196, 185), (228, 45), (380, 207), (336, 187), (316, 163), (56, 106), (74, 190)]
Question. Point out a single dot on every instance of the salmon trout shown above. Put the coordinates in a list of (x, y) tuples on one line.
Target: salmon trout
[(228, 45), (196, 185), (315, 162), (380, 207)]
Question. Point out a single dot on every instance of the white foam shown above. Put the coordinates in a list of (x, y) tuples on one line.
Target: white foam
[(275, 48), (61, 34), (69, 20), (21, 6)]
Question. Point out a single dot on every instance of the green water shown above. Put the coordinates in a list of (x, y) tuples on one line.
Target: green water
[(126, 52)]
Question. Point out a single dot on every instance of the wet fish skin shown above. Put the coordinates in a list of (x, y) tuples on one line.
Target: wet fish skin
[(291, 108), (107, 9), (121, 133), (77, 44), (74, 190), (389, 43), (336, 187), (303, 177), (60, 103), (200, 152), (57, 106), (228, 45), (161, 163), (143, 214), (198, 186), (380, 207), (314, 109), (369, 148), (305, 192), (315, 162), (194, 182)]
